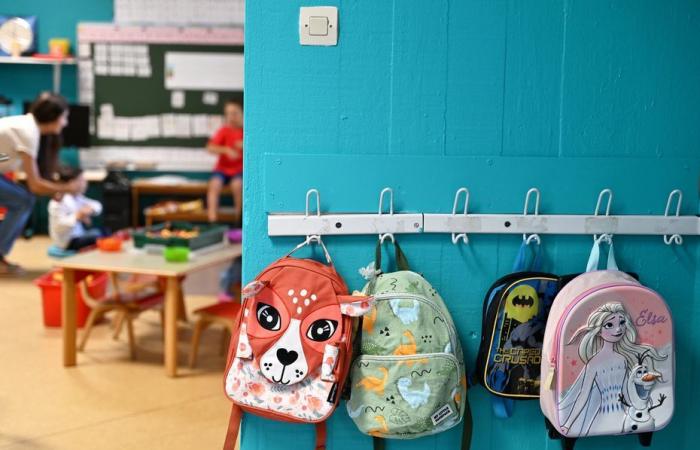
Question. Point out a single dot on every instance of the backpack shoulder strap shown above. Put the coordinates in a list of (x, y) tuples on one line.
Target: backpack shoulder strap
[(467, 426), (321, 436), (378, 443), (234, 425)]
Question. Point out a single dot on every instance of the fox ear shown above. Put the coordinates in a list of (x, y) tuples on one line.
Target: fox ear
[(252, 288), (355, 305)]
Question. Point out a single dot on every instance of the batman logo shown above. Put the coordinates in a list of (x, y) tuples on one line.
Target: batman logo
[(522, 303)]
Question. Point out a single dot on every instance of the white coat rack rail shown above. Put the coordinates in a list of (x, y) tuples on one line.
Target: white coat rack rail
[(460, 223)]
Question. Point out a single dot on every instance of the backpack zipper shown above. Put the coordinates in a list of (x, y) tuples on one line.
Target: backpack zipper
[(421, 299), (449, 356)]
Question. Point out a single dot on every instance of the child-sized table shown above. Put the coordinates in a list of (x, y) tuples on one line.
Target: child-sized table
[(134, 261)]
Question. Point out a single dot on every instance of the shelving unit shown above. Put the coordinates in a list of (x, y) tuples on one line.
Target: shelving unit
[(56, 63)]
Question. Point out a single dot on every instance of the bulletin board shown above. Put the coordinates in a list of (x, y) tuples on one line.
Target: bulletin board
[(158, 86)]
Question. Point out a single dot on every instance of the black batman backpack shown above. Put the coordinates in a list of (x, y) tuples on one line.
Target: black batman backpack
[(513, 322)]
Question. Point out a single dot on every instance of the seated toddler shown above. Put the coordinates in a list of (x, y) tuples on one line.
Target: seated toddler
[(70, 215)]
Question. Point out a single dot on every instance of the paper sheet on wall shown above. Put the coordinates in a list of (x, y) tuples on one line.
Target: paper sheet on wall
[(182, 126), (224, 71), (168, 126), (105, 127), (210, 98), (200, 125), (177, 99), (107, 110), (84, 50)]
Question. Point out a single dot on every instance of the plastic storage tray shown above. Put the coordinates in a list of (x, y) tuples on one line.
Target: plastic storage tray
[(208, 235)]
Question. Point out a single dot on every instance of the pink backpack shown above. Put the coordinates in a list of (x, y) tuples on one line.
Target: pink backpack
[(608, 357)]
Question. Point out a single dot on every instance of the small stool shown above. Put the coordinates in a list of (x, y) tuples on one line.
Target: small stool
[(221, 313)]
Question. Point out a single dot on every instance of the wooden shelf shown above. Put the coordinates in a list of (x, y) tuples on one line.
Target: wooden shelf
[(33, 60)]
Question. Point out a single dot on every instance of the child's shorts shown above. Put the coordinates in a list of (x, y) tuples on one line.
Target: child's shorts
[(225, 179)]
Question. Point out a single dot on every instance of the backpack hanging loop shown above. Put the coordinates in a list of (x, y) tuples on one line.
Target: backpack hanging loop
[(384, 236), (675, 238), (463, 236), (607, 210), (533, 237)]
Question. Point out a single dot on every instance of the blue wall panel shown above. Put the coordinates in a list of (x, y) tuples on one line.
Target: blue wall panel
[(425, 97)]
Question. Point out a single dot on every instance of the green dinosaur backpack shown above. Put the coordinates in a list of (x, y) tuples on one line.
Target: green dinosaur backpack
[(408, 378)]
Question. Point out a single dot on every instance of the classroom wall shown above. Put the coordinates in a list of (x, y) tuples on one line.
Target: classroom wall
[(499, 96)]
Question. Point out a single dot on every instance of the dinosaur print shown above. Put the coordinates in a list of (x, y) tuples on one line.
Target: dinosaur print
[(414, 398), (407, 314), (375, 384), (368, 321), (408, 349), (383, 428)]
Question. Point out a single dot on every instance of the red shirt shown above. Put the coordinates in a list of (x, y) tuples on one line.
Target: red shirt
[(227, 136)]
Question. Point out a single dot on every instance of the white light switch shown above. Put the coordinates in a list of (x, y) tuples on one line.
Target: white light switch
[(318, 25)]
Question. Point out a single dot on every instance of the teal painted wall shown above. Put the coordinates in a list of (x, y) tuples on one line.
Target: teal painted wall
[(499, 96)]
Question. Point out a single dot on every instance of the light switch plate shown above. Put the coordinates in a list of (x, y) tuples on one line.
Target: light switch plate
[(318, 25)]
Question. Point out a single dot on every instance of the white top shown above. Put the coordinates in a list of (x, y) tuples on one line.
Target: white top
[(63, 218), (17, 134)]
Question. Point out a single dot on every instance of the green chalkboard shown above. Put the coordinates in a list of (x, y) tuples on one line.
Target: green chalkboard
[(133, 96)]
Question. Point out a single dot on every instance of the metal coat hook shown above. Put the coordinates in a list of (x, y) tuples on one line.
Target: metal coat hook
[(314, 237), (675, 238), (384, 236), (533, 237), (463, 236), (318, 201), (608, 191)]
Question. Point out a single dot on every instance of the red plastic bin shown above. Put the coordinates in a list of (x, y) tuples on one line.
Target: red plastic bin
[(51, 283)]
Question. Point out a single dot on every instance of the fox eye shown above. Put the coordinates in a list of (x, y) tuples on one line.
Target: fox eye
[(322, 330), (268, 317)]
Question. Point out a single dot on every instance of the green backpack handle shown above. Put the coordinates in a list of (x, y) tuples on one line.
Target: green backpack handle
[(401, 261)]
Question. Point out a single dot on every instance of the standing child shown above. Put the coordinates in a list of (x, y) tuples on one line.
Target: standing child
[(70, 215), (227, 142)]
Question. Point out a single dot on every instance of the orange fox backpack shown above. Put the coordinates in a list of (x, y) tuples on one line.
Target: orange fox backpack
[(290, 354)]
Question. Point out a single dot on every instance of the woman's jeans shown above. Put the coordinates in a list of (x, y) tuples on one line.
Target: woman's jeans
[(19, 203)]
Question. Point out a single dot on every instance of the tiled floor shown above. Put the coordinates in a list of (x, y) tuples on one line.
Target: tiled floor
[(107, 401)]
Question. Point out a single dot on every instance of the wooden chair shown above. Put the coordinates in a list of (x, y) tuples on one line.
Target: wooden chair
[(225, 314), (128, 301)]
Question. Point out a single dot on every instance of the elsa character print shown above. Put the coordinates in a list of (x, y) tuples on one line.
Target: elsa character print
[(608, 350)]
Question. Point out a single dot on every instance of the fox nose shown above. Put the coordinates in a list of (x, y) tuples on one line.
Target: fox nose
[(286, 357)]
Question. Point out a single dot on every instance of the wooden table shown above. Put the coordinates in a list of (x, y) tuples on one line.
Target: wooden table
[(146, 186), (131, 260)]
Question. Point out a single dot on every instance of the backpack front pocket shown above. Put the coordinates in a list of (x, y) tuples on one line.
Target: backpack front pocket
[(405, 396)]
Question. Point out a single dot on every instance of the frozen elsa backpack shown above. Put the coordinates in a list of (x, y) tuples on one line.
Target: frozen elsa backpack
[(608, 357), (408, 379), (289, 358)]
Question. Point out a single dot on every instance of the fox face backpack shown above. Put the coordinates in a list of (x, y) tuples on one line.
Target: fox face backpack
[(515, 313), (290, 356), (609, 357), (409, 378)]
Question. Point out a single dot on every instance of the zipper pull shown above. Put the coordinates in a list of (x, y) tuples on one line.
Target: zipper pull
[(549, 381)]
